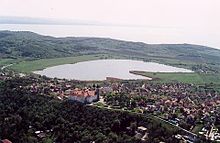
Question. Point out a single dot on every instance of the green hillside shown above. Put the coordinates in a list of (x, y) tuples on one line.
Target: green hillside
[(31, 46)]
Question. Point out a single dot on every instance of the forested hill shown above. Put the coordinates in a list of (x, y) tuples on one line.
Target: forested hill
[(32, 45)]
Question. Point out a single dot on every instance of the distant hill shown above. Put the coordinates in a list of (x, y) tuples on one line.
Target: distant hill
[(33, 46), (45, 21)]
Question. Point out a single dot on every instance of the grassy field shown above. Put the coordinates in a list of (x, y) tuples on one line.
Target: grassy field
[(195, 78), (4, 62), (28, 66)]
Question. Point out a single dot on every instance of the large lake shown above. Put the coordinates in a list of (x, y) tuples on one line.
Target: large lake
[(147, 34), (100, 69)]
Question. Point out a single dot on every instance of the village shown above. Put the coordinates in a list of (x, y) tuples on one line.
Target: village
[(187, 106)]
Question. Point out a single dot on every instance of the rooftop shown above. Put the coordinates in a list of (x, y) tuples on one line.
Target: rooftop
[(83, 92)]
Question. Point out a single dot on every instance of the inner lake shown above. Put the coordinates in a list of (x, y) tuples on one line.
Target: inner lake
[(100, 69)]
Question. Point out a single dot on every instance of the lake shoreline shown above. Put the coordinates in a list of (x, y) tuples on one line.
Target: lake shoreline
[(99, 69)]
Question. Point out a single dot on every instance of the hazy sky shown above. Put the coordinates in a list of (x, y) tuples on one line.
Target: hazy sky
[(201, 16), (201, 13)]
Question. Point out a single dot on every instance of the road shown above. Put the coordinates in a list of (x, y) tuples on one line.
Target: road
[(184, 130), (6, 66), (191, 133)]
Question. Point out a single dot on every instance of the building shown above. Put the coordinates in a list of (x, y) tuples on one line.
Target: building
[(83, 95), (142, 133)]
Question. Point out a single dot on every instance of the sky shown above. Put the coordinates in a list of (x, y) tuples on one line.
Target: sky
[(201, 16)]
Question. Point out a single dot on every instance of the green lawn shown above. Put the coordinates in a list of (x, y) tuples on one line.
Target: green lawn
[(4, 62), (28, 66), (195, 78)]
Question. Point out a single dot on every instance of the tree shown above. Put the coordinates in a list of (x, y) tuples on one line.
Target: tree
[(116, 125)]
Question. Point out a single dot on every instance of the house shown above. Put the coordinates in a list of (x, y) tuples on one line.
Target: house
[(141, 133), (40, 134), (142, 129), (105, 90)]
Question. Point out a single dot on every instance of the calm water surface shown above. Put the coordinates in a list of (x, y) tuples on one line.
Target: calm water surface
[(100, 69), (147, 34)]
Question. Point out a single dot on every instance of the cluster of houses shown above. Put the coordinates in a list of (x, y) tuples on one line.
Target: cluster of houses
[(210, 134), (183, 105), (63, 89), (6, 75), (177, 103)]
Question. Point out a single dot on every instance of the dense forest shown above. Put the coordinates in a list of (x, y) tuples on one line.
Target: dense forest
[(26, 117), (33, 46)]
